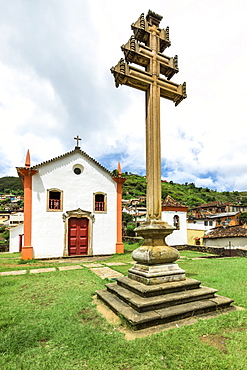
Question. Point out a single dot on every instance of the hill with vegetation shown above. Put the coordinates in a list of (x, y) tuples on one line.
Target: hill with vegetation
[(10, 184), (187, 194), (135, 186)]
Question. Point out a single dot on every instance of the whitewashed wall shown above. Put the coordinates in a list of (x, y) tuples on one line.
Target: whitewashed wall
[(14, 238), (48, 227), (237, 242), (199, 225), (178, 237)]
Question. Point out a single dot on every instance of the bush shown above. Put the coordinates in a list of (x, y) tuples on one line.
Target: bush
[(130, 229)]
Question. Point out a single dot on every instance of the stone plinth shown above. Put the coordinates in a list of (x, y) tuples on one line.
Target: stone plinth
[(156, 274), (155, 258)]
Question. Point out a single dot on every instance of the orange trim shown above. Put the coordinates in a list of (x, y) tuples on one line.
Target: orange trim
[(119, 243), (27, 173), (27, 253)]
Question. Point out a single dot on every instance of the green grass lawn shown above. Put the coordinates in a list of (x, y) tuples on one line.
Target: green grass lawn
[(49, 321)]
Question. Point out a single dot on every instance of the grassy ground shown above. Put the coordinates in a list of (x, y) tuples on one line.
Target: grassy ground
[(48, 321)]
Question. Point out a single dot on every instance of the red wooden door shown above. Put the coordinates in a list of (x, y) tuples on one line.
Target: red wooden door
[(78, 236)]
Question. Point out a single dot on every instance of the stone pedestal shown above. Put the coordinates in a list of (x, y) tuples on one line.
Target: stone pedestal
[(155, 259), (156, 274)]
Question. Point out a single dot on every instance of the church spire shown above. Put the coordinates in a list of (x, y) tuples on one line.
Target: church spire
[(27, 162), (119, 169)]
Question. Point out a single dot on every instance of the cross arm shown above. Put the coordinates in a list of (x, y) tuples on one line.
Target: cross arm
[(172, 91), (141, 29), (141, 54), (124, 74)]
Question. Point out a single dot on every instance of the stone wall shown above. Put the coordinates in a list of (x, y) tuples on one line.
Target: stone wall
[(223, 252)]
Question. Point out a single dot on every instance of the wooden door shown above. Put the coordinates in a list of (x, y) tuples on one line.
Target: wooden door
[(78, 236)]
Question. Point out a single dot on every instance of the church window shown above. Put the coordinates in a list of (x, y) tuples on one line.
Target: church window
[(78, 169), (54, 200), (99, 202), (176, 222)]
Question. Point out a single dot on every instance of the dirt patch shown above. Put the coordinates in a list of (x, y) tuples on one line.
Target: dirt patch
[(219, 341), (216, 340), (89, 315)]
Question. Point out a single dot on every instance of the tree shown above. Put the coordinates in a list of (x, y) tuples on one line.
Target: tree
[(126, 217), (243, 217)]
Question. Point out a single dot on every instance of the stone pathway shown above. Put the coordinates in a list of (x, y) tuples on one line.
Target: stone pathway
[(106, 273), (99, 269)]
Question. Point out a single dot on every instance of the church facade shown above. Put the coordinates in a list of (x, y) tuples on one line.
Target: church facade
[(72, 207)]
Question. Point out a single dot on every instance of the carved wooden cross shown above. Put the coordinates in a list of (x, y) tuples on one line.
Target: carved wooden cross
[(145, 49)]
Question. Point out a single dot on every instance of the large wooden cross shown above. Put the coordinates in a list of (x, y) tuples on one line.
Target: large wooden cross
[(145, 49)]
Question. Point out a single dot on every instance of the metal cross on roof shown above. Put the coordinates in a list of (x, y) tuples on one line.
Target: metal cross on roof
[(77, 138)]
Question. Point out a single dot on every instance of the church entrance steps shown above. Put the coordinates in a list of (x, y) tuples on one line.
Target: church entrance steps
[(178, 300)]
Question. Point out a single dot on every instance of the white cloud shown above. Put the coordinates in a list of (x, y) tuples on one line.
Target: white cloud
[(55, 83)]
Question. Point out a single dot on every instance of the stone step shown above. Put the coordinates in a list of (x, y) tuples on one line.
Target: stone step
[(142, 304), (140, 320), (157, 289)]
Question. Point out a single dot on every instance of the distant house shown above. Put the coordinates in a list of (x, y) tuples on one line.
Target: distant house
[(207, 209), (4, 216), (198, 227), (14, 219), (232, 236), (175, 214), (16, 238)]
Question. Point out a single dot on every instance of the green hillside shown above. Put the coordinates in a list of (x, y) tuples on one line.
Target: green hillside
[(135, 186), (10, 183), (187, 194)]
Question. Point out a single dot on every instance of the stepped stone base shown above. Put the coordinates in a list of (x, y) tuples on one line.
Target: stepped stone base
[(148, 305), (156, 274)]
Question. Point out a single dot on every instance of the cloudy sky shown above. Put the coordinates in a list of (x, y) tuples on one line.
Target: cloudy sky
[(55, 83)]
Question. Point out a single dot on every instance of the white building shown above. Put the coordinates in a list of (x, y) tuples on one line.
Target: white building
[(72, 207), (16, 238), (14, 219), (175, 214)]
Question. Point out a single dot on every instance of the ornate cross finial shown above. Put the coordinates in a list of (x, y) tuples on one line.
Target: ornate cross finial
[(77, 138)]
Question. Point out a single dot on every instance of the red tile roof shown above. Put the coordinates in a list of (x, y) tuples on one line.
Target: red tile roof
[(224, 232), (170, 202)]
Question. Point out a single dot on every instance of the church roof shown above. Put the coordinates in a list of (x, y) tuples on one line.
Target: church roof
[(170, 202), (76, 150), (226, 232)]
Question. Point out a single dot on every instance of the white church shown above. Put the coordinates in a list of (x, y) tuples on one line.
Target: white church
[(72, 207)]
